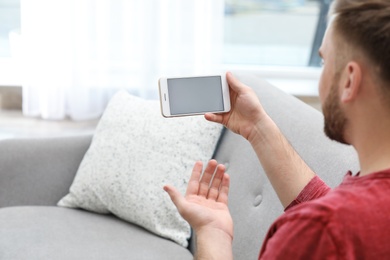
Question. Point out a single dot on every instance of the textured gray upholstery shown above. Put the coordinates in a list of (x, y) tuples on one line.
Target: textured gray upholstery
[(40, 171), (61, 233)]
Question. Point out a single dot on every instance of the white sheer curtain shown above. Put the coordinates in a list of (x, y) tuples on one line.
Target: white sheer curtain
[(77, 53)]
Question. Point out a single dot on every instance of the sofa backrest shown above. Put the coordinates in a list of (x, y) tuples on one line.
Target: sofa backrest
[(252, 200), (39, 171)]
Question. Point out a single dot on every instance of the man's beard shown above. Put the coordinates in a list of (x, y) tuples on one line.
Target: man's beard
[(335, 120)]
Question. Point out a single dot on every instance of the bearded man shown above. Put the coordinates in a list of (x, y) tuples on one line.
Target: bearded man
[(348, 222)]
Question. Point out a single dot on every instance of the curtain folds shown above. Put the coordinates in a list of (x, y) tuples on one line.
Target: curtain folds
[(77, 53)]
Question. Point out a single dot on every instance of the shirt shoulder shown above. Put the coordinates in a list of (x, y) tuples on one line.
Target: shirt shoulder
[(303, 232), (336, 224)]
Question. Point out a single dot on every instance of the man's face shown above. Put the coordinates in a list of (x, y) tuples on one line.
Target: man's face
[(335, 119)]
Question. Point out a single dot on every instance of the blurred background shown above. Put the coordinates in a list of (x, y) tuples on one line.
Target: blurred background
[(62, 60)]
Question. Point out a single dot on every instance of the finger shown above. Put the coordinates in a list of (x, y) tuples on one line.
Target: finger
[(175, 196), (224, 189), (206, 178), (234, 83), (214, 188), (193, 183)]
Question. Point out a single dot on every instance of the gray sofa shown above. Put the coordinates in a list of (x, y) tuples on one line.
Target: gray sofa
[(36, 173)]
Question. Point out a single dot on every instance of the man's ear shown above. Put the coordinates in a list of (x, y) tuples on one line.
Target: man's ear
[(352, 82)]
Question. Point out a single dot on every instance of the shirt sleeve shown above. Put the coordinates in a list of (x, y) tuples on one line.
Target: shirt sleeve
[(316, 188)]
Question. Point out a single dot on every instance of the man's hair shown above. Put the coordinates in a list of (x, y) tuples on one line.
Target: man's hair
[(365, 25)]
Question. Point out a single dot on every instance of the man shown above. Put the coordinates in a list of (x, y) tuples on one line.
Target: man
[(351, 221)]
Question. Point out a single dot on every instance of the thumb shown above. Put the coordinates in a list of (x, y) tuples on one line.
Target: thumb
[(176, 197), (216, 118)]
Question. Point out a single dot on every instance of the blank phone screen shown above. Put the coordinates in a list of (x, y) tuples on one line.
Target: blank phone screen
[(195, 95)]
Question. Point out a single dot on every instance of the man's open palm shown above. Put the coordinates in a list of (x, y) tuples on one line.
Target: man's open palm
[(206, 199)]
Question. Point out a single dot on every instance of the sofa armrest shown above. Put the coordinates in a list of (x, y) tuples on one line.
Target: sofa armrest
[(39, 171)]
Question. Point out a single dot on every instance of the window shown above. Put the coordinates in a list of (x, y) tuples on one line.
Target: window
[(270, 32), (9, 21), (278, 39)]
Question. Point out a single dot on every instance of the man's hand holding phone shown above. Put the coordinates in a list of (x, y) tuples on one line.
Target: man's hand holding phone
[(245, 111)]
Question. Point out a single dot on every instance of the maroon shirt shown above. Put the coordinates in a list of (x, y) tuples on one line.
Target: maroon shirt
[(351, 221)]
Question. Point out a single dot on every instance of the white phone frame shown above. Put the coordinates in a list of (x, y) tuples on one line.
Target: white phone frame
[(164, 95)]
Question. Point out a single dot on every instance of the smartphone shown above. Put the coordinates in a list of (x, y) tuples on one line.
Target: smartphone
[(196, 95)]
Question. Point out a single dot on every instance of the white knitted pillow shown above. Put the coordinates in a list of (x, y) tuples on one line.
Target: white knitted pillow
[(134, 152)]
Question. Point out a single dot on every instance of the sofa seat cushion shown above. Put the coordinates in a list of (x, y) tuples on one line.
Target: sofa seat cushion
[(36, 232)]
